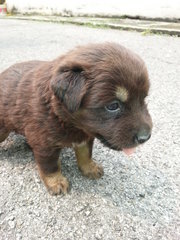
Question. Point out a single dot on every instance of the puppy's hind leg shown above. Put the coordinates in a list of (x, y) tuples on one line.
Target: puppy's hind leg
[(3, 133), (50, 171)]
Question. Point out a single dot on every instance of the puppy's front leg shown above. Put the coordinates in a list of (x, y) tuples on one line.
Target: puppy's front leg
[(50, 171), (88, 167)]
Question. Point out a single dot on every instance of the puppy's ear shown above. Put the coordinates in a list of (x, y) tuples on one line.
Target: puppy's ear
[(68, 85)]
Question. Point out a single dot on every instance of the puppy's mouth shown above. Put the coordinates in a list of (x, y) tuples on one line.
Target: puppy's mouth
[(127, 150), (106, 143)]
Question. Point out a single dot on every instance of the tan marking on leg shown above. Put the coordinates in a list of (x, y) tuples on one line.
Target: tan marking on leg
[(92, 170), (88, 167), (122, 94), (79, 144), (55, 182)]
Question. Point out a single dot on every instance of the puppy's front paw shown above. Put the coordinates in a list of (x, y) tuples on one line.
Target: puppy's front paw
[(56, 183), (92, 170)]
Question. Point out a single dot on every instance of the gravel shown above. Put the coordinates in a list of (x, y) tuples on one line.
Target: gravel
[(138, 197)]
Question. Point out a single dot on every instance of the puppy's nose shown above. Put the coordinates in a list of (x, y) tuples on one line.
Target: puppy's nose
[(142, 136)]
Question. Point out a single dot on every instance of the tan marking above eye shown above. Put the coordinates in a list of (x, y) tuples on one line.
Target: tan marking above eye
[(122, 94)]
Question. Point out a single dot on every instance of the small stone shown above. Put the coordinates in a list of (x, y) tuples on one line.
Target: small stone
[(18, 236), (11, 218), (142, 195), (11, 224), (87, 213), (80, 208), (98, 234)]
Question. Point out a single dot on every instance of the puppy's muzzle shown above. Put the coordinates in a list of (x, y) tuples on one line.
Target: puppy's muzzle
[(142, 136)]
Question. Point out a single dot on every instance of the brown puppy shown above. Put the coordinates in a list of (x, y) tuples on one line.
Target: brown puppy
[(96, 90)]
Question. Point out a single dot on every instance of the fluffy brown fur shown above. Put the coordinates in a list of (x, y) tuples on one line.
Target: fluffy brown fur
[(96, 90)]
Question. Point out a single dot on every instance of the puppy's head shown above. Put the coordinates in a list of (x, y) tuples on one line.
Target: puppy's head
[(103, 87)]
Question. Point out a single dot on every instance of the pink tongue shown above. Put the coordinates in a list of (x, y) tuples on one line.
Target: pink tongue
[(129, 151)]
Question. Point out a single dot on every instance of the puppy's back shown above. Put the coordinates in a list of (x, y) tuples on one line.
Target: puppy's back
[(9, 82)]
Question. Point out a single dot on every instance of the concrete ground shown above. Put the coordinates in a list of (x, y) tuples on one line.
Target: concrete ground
[(144, 26), (138, 197)]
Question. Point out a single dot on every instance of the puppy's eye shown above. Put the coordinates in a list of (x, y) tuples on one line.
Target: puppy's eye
[(113, 107)]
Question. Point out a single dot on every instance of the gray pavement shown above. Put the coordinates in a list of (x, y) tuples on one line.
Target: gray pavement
[(145, 26), (138, 197)]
